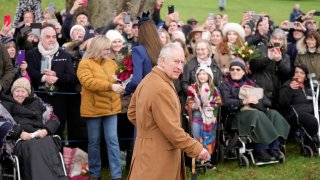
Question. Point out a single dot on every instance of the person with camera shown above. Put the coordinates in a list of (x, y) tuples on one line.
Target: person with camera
[(272, 67), (82, 19)]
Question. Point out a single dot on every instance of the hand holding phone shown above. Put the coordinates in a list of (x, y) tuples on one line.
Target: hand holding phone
[(276, 47), (170, 9), (51, 8), (317, 13), (84, 3), (127, 19), (21, 57), (211, 15), (7, 20)]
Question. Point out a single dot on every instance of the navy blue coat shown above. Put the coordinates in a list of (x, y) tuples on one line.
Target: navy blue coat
[(61, 64), (142, 65)]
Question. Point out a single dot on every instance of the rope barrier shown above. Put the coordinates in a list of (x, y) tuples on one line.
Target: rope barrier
[(52, 93)]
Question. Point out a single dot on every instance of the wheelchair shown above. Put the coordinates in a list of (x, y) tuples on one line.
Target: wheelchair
[(231, 146), (10, 165)]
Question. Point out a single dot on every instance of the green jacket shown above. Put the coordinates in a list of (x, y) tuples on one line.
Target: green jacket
[(6, 69), (311, 60)]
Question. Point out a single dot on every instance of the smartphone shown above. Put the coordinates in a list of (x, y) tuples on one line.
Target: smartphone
[(276, 46), (170, 9), (52, 21), (7, 20), (127, 19), (256, 17), (51, 8), (317, 13), (291, 25), (84, 3), (44, 65), (21, 57), (211, 15), (36, 25)]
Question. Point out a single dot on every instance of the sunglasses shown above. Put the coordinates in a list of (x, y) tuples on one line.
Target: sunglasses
[(235, 69)]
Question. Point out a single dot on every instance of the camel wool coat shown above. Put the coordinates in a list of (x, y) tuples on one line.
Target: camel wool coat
[(155, 111)]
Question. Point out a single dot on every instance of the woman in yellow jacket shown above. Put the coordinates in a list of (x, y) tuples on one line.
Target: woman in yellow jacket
[(100, 104)]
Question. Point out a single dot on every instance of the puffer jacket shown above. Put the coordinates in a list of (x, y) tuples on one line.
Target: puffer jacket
[(97, 97), (29, 115), (269, 74), (311, 60)]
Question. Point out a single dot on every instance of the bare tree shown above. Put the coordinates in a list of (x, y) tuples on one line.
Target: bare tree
[(102, 11)]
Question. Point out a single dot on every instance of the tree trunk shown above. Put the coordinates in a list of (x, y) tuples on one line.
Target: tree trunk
[(103, 11)]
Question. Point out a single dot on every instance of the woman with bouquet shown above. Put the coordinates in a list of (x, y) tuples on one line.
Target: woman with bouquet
[(233, 38)]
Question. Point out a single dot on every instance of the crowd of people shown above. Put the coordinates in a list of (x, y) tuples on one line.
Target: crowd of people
[(61, 75)]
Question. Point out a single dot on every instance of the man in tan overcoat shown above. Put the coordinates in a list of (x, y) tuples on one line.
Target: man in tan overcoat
[(155, 111)]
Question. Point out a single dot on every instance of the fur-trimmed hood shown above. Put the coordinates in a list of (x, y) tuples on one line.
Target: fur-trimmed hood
[(302, 47)]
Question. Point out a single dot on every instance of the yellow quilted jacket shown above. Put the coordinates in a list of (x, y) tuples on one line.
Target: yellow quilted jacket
[(97, 97)]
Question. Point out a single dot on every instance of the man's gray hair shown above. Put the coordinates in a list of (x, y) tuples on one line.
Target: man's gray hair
[(45, 29), (168, 49)]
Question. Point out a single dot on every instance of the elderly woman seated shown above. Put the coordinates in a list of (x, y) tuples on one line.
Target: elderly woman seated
[(253, 117), (38, 153)]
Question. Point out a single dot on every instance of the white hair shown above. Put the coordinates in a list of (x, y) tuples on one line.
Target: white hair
[(178, 35), (168, 49), (45, 29)]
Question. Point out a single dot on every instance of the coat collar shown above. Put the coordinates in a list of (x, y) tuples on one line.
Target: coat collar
[(163, 76), (302, 47)]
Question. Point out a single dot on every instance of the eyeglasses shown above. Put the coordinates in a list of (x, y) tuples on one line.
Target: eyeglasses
[(235, 69)]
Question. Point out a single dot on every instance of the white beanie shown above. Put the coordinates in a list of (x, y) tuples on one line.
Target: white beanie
[(21, 83), (234, 27), (206, 69), (113, 35), (77, 27)]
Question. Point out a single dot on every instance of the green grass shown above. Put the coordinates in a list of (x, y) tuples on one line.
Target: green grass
[(8, 7), (279, 10), (296, 166)]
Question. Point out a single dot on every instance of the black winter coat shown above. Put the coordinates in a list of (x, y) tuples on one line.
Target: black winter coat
[(269, 74), (61, 64), (28, 115), (296, 98)]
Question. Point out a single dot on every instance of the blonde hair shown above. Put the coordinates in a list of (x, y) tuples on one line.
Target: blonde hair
[(98, 44), (208, 46)]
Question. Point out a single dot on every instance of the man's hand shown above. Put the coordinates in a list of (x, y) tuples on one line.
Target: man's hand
[(51, 79), (49, 72), (204, 155)]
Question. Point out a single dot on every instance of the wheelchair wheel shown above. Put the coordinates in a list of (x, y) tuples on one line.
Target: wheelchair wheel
[(221, 153), (201, 170), (307, 151), (243, 161), (283, 160)]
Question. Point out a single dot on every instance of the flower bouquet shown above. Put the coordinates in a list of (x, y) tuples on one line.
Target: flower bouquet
[(125, 71), (246, 52)]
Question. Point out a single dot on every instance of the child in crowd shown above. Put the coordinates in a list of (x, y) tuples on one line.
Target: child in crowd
[(202, 104)]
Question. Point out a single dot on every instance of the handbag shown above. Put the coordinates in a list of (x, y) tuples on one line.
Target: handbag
[(246, 92)]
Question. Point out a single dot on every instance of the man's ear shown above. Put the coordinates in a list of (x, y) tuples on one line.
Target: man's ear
[(161, 62)]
